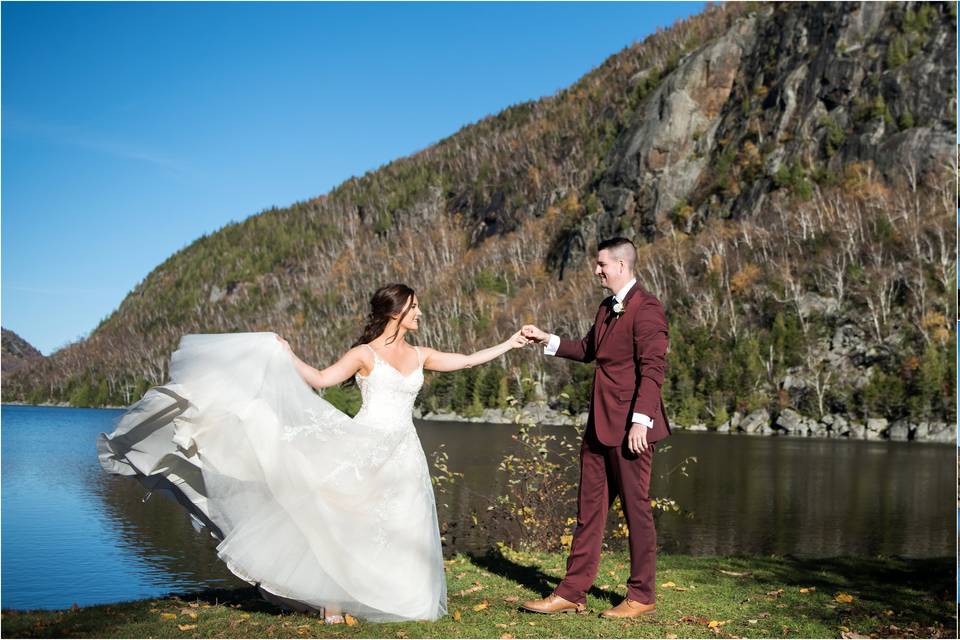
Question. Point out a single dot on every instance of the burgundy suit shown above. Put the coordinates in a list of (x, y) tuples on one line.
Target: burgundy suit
[(630, 354)]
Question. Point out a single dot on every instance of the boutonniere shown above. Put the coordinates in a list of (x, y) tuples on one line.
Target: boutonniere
[(619, 308)]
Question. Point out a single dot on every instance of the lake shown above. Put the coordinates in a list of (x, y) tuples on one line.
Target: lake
[(73, 534)]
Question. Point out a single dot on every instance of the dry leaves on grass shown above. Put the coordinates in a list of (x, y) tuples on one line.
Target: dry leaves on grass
[(186, 627), (476, 587), (480, 607), (511, 599), (843, 598), (807, 589), (191, 614), (736, 574), (168, 616), (674, 586), (457, 616)]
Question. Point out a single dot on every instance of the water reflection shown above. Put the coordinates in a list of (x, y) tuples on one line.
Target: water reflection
[(756, 495)]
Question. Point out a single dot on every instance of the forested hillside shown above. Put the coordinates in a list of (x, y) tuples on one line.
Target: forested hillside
[(788, 171)]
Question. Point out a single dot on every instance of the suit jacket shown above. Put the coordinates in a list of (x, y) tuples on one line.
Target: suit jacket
[(630, 354)]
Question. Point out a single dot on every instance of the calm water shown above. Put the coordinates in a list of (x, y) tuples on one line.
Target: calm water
[(71, 533)]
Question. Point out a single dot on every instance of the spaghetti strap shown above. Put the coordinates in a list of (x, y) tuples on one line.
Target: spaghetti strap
[(371, 349), (419, 357)]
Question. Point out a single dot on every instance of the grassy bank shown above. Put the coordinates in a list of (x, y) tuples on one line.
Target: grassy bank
[(697, 597)]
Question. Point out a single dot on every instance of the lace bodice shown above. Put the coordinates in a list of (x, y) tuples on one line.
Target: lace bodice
[(388, 395)]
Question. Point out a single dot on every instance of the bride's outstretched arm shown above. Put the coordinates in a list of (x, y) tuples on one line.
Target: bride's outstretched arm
[(343, 369), (441, 361)]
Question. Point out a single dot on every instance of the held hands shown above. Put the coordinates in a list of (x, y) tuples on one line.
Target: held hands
[(532, 333), (517, 340)]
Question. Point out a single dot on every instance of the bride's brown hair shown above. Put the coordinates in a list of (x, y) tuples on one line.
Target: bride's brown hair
[(387, 302)]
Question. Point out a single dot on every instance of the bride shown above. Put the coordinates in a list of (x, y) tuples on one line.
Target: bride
[(318, 509)]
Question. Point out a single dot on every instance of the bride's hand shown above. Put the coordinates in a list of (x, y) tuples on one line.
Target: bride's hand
[(285, 344), (517, 340)]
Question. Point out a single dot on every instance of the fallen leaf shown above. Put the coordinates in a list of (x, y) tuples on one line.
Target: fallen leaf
[(668, 585), (844, 598), (506, 636), (753, 621), (168, 616), (713, 624), (852, 634), (480, 607), (681, 589), (186, 627), (154, 610), (671, 636), (244, 616), (472, 589), (736, 574), (350, 620), (512, 599), (457, 616), (460, 575), (807, 589), (194, 605), (888, 612), (187, 612)]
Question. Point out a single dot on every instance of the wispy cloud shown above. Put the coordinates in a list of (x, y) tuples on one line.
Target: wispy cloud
[(18, 124), (58, 291)]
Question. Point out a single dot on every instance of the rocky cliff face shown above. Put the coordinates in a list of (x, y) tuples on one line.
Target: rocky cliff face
[(788, 96)]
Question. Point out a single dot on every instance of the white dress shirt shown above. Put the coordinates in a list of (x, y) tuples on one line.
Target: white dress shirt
[(553, 344)]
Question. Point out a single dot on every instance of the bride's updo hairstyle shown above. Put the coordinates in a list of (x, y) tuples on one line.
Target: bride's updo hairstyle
[(388, 301)]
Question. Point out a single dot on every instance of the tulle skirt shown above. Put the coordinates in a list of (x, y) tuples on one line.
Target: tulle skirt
[(316, 508)]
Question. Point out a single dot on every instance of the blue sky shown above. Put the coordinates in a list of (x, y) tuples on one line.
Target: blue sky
[(130, 129)]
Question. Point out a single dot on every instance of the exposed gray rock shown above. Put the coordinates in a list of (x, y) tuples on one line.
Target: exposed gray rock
[(793, 382), (942, 432), (899, 431), (876, 425), (789, 420), (698, 427), (756, 421), (658, 161)]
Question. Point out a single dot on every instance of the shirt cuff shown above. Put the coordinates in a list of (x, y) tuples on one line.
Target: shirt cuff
[(640, 418), (553, 344)]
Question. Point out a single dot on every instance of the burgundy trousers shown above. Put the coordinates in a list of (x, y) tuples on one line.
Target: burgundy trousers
[(605, 473)]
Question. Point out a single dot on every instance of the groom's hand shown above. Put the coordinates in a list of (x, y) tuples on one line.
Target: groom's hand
[(637, 439), (531, 332)]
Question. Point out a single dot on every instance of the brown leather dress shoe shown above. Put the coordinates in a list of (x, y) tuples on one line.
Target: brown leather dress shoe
[(629, 609), (553, 604)]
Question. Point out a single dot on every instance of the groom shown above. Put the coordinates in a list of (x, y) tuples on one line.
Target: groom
[(628, 341)]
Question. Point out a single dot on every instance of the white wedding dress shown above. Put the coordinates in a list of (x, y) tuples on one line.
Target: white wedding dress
[(313, 506)]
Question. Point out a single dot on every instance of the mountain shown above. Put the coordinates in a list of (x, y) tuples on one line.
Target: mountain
[(16, 352), (788, 171)]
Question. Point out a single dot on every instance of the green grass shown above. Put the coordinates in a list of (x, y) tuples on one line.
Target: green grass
[(756, 597)]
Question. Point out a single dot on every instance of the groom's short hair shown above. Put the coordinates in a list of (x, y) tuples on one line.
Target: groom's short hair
[(623, 248)]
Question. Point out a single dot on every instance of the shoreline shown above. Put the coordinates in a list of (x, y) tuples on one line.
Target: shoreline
[(789, 423)]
